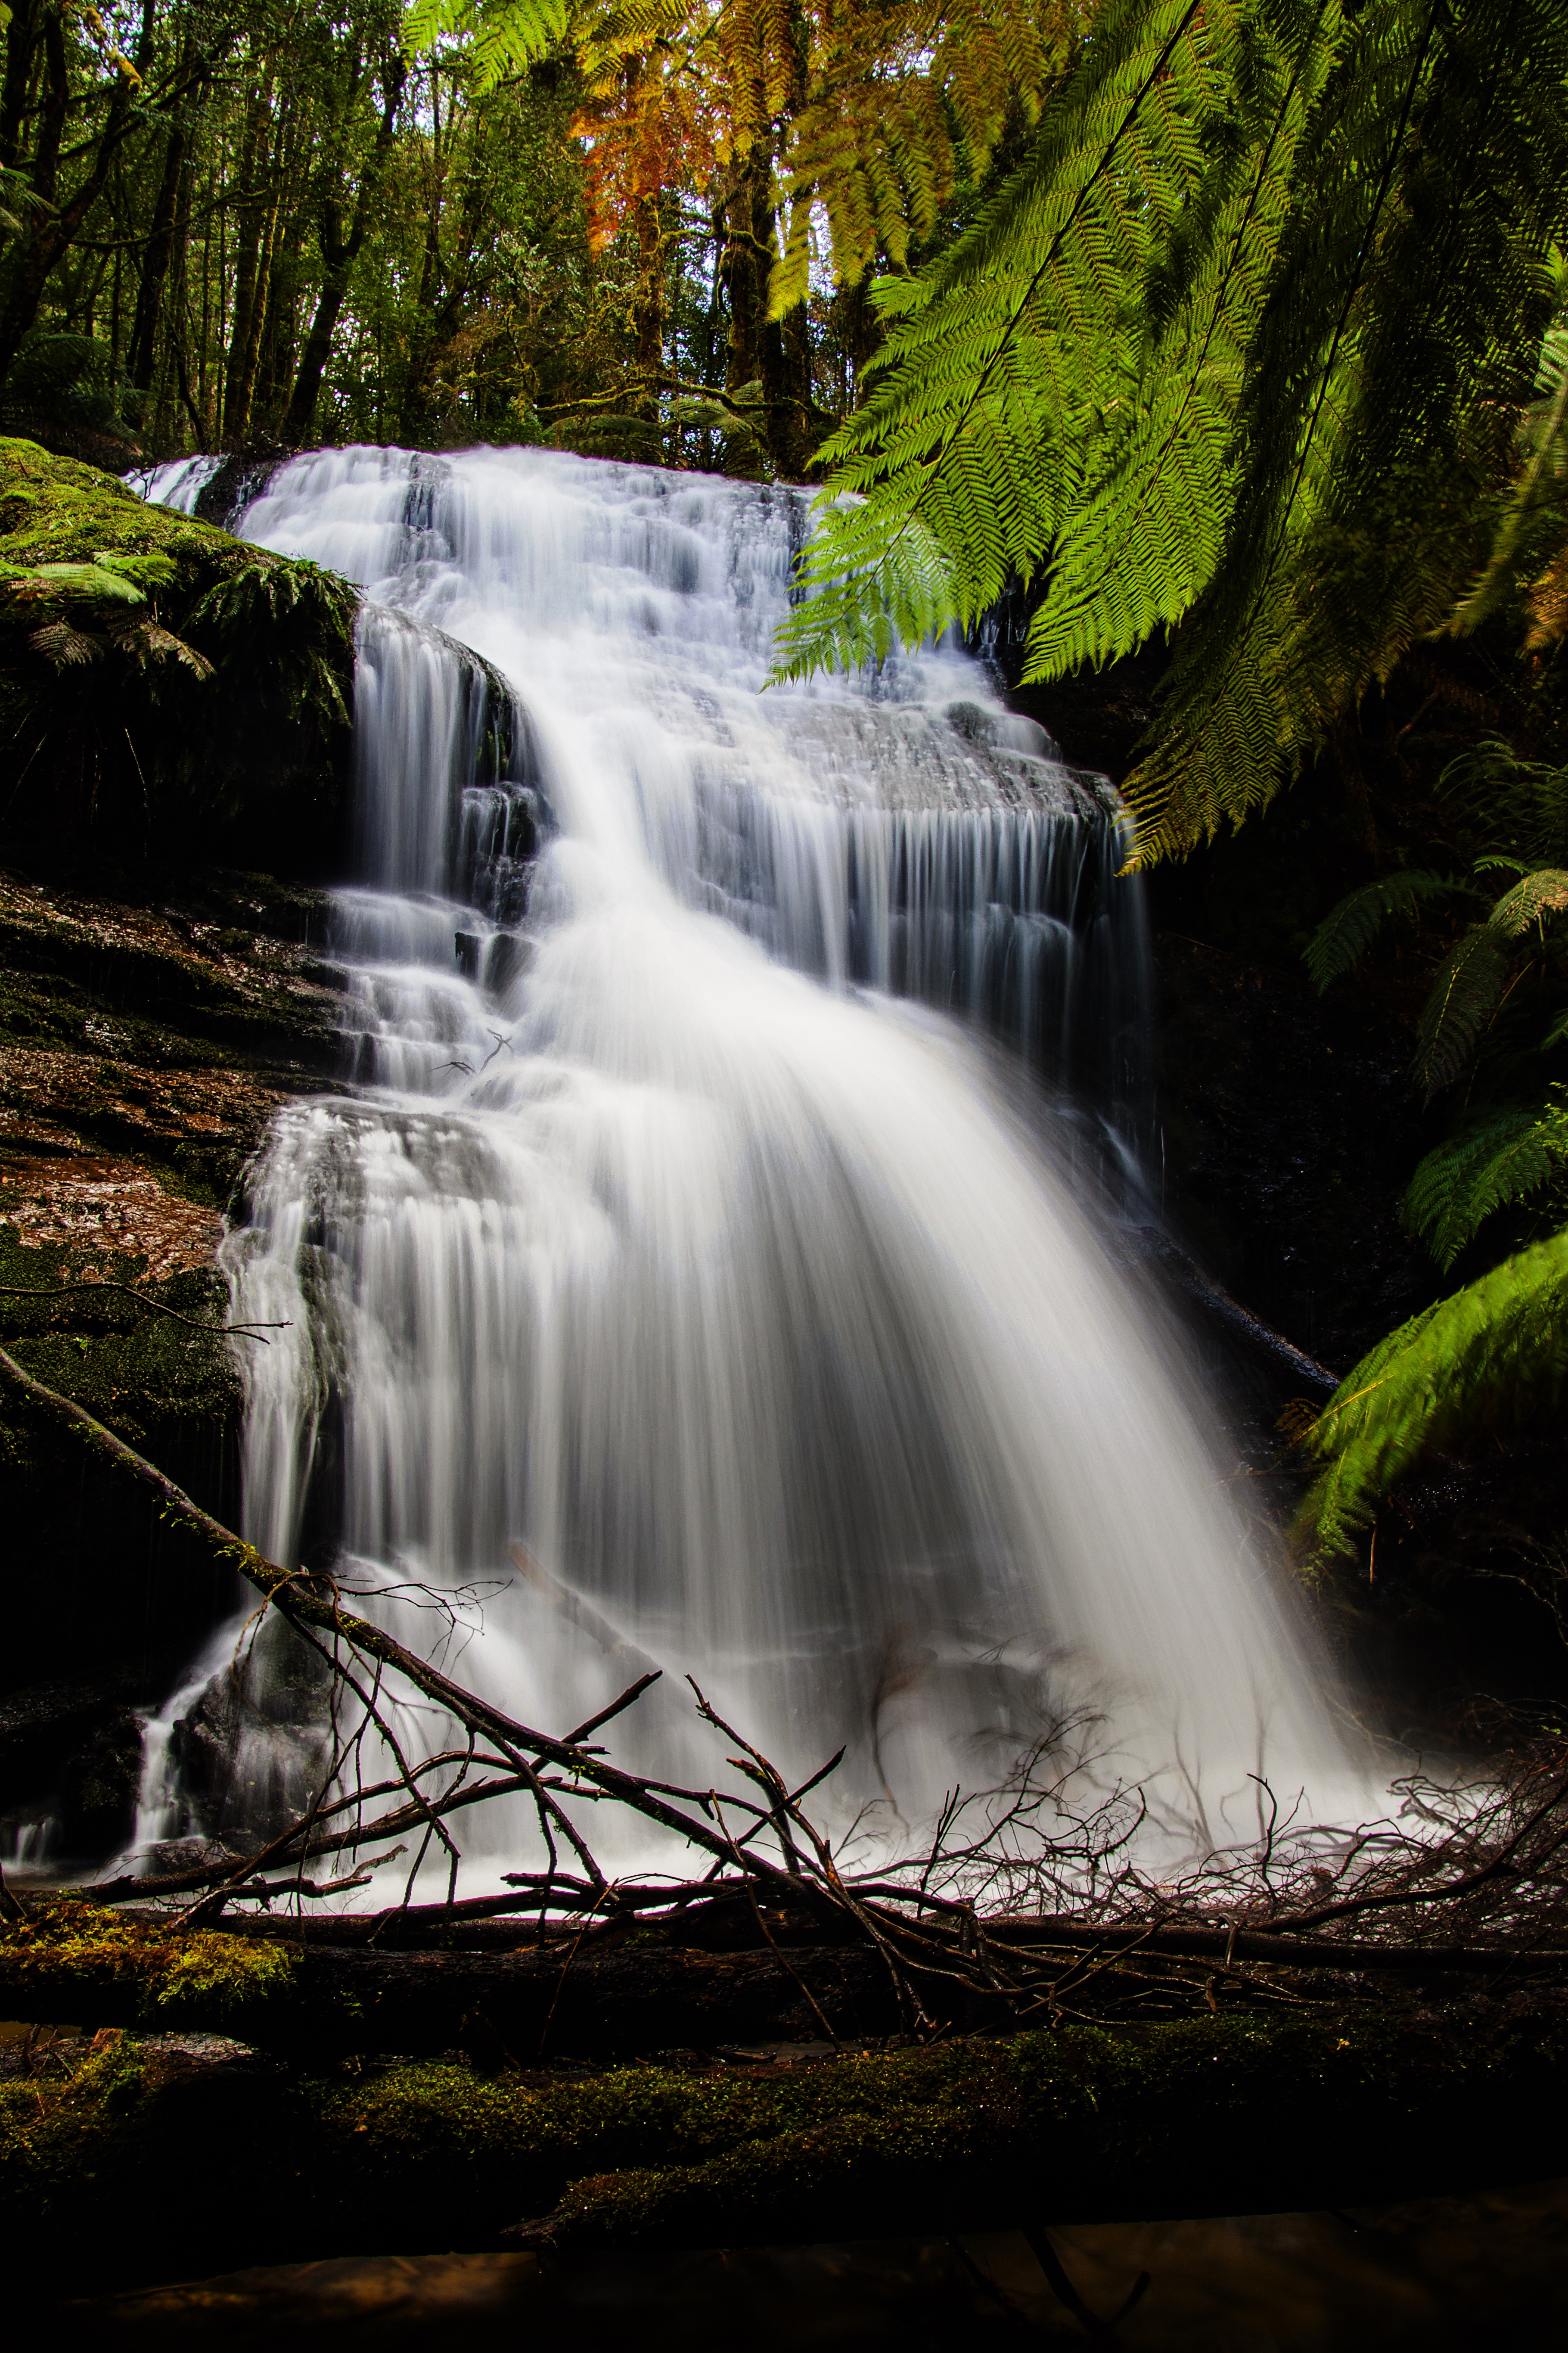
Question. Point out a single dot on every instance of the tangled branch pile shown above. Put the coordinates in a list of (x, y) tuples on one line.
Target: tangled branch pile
[(1024, 1901)]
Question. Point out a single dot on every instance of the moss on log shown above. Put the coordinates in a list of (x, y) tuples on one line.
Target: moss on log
[(143, 2146), (73, 1960)]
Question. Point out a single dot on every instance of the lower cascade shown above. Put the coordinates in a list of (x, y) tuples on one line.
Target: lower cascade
[(700, 1267)]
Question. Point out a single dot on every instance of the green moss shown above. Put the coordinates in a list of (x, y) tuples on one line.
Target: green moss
[(134, 1369), (53, 510), (1214, 2114), (70, 1954), (223, 729), (55, 2145)]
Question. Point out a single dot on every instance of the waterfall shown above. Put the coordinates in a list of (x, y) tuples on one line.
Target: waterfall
[(688, 1268)]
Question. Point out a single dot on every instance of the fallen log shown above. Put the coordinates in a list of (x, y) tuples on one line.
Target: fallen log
[(120, 2157), (342, 1985), (499, 1922)]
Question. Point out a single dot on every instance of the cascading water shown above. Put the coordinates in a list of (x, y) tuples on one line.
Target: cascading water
[(672, 1236)]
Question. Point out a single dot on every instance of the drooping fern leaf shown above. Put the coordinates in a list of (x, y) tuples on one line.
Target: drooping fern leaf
[(1522, 804), (499, 37), (1404, 315), (1349, 930), (1271, 273), (1533, 898), (1465, 995), (94, 584), (1544, 447), (65, 647), (1502, 1158), (1548, 603), (1015, 400), (1490, 1357)]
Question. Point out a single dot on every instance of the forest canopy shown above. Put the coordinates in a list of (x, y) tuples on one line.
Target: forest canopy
[(646, 232)]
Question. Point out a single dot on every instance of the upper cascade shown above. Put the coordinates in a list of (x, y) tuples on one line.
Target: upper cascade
[(903, 830)]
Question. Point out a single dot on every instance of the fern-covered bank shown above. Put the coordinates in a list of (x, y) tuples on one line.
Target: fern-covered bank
[(168, 695)]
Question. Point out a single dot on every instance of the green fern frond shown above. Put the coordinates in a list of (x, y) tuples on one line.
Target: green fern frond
[(1464, 997), (1543, 450), (145, 641), (1348, 930), (1545, 892), (1239, 347), (64, 646), (92, 583), (1016, 415), (1500, 1159), (499, 37), (1493, 1356), (1522, 804)]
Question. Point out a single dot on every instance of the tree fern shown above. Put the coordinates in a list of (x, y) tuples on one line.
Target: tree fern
[(1518, 806), (1405, 317), (1534, 897), (1497, 1160), (1349, 930), (1532, 501), (1487, 1360), (1010, 406), (1548, 603), (1465, 995), (1268, 270)]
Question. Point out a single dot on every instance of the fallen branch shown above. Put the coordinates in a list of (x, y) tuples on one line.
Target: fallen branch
[(1130, 1947)]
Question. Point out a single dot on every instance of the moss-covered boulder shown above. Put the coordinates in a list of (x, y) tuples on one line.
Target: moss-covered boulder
[(167, 692)]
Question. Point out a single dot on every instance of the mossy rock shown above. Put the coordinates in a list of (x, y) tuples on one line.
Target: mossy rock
[(172, 694), (129, 1366), (89, 1551), (73, 1953)]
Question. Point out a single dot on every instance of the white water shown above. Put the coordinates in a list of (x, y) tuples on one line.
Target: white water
[(662, 1238)]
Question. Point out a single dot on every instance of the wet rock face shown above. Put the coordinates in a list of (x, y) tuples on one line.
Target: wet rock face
[(144, 1046), (154, 1034)]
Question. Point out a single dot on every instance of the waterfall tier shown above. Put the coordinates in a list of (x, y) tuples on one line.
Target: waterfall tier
[(675, 1233)]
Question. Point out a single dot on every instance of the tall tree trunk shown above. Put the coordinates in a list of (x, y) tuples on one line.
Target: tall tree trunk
[(250, 349), (176, 378), (647, 306), (251, 231), (743, 268), (339, 253), (787, 392), (21, 44), (159, 244), (47, 238)]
